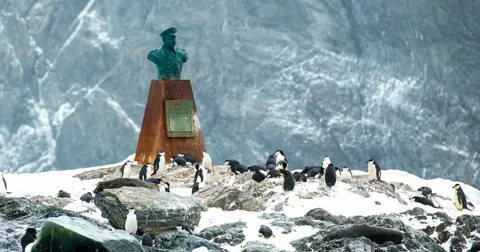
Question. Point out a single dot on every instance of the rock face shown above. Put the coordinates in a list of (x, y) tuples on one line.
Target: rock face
[(230, 233), (92, 64), (17, 213), (156, 211), (183, 242), (73, 234), (347, 237), (256, 246)]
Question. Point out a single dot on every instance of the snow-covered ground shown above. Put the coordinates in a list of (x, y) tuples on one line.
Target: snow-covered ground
[(341, 201)]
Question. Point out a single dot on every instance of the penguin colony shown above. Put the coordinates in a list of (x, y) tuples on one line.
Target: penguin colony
[(275, 166)]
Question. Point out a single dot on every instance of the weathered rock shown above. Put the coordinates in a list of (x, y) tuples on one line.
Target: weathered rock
[(442, 226), (230, 233), (413, 240), (73, 234), (361, 184), (360, 191), (321, 214), (101, 173), (18, 213), (458, 243), (429, 230), (443, 236), (256, 246), (466, 224), (230, 198), (416, 211), (173, 240), (156, 211), (272, 216)]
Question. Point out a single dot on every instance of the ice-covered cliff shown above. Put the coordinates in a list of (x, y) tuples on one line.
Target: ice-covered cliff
[(352, 79)]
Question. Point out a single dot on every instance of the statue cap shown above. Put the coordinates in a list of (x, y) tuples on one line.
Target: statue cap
[(169, 32)]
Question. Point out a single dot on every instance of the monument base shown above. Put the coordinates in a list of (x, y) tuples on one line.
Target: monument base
[(154, 133)]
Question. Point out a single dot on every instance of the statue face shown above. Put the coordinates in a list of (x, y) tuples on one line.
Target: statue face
[(169, 40)]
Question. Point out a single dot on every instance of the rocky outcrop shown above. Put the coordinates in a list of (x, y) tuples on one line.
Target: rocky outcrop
[(347, 236), (124, 182), (74, 234), (256, 246), (230, 233), (18, 213), (323, 215), (242, 194), (362, 186), (466, 225), (156, 211), (173, 240)]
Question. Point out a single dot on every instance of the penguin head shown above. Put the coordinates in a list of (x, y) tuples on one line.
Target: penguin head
[(205, 154), (370, 161), (131, 210), (282, 165), (456, 186), (279, 152), (197, 166), (345, 168), (326, 161), (181, 155), (31, 231), (162, 153)]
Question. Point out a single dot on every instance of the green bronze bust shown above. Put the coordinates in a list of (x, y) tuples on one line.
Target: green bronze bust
[(169, 59)]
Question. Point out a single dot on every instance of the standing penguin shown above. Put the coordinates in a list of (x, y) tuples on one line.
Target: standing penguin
[(330, 176), (288, 180), (346, 174), (460, 198), (126, 169), (131, 222), (271, 160), (28, 238), (4, 184), (374, 171), (142, 174), (199, 177), (159, 163), (207, 161), (280, 156)]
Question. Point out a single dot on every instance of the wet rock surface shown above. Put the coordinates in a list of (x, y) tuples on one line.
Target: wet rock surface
[(230, 233)]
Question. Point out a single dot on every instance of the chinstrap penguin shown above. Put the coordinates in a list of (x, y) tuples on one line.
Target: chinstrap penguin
[(346, 174), (265, 232), (374, 171), (144, 171), (230, 162), (271, 160), (126, 169), (87, 197), (63, 194), (163, 186), (460, 198), (4, 184), (147, 240), (313, 171), (188, 157), (288, 180), (207, 161), (159, 163), (238, 169), (28, 238), (131, 225), (178, 161), (330, 176), (325, 162), (280, 156), (425, 191), (273, 174), (300, 177), (257, 176), (199, 177)]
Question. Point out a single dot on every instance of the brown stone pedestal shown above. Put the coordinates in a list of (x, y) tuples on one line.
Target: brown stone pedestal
[(153, 136)]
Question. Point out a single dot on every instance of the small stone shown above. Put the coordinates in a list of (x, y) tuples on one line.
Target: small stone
[(279, 207), (377, 202)]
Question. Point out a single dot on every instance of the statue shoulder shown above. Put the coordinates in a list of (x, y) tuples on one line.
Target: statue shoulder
[(183, 54), (155, 55)]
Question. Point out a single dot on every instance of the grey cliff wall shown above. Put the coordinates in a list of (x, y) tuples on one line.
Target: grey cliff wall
[(352, 79)]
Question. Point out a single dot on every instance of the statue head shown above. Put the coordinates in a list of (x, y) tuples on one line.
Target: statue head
[(169, 37)]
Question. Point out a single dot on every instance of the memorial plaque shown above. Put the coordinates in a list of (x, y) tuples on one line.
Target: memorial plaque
[(179, 115)]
